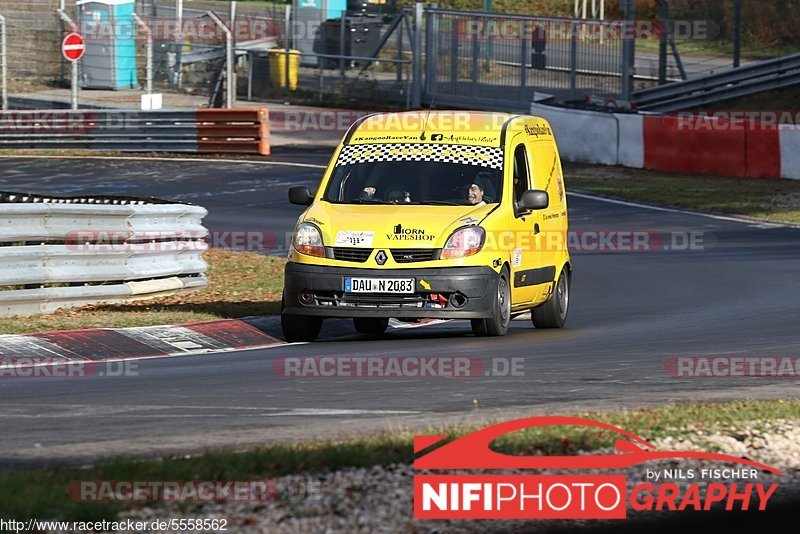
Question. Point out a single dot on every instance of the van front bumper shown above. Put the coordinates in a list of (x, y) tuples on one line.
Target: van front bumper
[(320, 291)]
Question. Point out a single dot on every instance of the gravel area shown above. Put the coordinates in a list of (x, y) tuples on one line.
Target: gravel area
[(379, 499)]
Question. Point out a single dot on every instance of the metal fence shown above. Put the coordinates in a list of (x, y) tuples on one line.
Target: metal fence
[(500, 61), (66, 252), (456, 58)]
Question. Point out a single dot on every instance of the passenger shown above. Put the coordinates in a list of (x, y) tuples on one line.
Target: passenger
[(394, 196)]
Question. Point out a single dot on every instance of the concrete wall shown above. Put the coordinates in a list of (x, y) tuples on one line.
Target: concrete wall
[(670, 143)]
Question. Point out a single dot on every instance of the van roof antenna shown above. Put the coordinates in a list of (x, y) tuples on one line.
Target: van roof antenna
[(428, 114)]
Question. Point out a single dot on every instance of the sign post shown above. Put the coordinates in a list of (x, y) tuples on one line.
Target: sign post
[(73, 48)]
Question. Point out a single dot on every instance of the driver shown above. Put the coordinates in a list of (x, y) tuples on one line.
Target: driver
[(481, 190), (475, 195)]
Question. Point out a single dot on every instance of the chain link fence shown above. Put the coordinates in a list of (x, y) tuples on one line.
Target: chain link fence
[(705, 33), (503, 60), (464, 58)]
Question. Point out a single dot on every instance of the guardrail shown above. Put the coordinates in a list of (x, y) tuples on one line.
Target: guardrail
[(731, 83), (204, 131), (60, 252)]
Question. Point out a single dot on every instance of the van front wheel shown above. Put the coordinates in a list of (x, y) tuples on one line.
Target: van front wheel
[(370, 325), (553, 313), (497, 324), (300, 327)]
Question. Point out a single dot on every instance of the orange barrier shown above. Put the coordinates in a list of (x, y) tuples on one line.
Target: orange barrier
[(240, 131)]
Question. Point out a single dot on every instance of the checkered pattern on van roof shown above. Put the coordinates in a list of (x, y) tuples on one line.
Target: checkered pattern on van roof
[(483, 156)]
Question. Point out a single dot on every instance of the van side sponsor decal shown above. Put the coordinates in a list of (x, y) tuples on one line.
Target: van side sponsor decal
[(491, 157)]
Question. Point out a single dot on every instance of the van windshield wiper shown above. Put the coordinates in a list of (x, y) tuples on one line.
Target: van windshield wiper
[(364, 201), (442, 203)]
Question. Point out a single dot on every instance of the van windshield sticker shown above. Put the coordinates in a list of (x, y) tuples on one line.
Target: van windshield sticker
[(491, 157)]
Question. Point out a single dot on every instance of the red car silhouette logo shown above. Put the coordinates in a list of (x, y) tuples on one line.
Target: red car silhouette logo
[(472, 451)]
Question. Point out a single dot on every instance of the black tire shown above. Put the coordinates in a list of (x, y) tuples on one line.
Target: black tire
[(553, 313), (371, 325), (300, 327), (497, 324)]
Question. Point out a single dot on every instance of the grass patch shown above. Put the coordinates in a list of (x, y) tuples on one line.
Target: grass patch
[(41, 493), (772, 199), (717, 48), (240, 284)]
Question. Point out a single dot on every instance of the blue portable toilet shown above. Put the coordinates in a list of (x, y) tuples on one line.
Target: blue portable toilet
[(110, 34)]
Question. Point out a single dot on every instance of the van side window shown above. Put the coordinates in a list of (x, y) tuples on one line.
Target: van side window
[(548, 175), (521, 181)]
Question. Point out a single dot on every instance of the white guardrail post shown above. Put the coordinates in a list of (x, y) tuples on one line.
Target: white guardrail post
[(57, 253), (148, 52), (3, 62)]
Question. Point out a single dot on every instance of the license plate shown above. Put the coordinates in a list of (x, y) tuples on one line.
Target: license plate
[(379, 285)]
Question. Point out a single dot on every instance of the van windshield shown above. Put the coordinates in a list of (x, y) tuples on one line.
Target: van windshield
[(403, 174)]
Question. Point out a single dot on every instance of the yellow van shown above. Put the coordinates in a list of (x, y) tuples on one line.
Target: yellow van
[(439, 214)]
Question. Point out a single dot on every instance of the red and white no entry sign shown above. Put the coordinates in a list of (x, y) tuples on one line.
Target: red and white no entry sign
[(73, 47)]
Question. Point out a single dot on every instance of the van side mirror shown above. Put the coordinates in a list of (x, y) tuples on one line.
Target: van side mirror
[(300, 195), (534, 199)]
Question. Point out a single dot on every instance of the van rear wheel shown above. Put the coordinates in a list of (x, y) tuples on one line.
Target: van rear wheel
[(553, 313), (370, 325), (497, 324)]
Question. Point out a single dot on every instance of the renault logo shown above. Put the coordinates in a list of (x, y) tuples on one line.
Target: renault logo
[(381, 257)]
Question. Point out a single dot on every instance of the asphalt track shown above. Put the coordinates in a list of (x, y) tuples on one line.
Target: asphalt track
[(629, 313)]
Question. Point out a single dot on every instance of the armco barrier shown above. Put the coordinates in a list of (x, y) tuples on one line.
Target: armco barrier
[(63, 252), (221, 131), (662, 142)]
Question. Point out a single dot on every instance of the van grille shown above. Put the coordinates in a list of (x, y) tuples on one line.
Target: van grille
[(411, 255), (359, 255), (382, 301)]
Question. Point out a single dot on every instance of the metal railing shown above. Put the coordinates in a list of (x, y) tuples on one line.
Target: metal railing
[(201, 131), (731, 83), (498, 60), (60, 252)]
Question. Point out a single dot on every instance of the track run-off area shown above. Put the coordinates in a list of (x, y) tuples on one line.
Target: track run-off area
[(733, 293)]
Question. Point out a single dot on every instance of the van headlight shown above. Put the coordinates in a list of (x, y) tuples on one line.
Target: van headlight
[(307, 240), (464, 242)]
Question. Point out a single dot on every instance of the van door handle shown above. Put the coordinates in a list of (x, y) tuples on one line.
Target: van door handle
[(536, 229)]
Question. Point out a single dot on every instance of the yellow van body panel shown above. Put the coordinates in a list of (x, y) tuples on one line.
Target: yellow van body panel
[(531, 246)]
